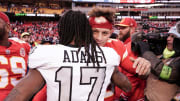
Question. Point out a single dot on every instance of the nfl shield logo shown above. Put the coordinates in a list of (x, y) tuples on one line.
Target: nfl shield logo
[(22, 52)]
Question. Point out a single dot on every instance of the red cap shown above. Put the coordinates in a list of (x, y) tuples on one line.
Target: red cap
[(130, 22), (4, 17), (100, 22)]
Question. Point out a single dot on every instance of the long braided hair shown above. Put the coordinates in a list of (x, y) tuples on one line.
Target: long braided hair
[(74, 26)]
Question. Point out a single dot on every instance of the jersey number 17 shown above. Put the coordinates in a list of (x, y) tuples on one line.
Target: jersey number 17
[(87, 74)]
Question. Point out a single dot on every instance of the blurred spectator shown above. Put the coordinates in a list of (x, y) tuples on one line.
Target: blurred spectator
[(46, 41), (114, 36), (25, 37), (38, 30)]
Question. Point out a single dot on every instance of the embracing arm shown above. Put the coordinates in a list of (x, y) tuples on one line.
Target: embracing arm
[(27, 87), (170, 73), (121, 80), (156, 63)]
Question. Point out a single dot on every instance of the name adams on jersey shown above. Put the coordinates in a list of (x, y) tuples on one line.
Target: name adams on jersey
[(73, 57)]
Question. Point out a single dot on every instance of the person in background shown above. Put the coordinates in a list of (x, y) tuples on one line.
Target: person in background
[(46, 41), (13, 58), (25, 36), (101, 21), (163, 83), (127, 27), (77, 69)]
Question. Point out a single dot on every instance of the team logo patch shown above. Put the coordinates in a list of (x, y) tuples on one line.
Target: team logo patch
[(99, 20), (22, 52)]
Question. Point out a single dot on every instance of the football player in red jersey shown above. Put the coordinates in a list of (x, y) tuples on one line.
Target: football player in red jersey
[(13, 58), (127, 28), (101, 20)]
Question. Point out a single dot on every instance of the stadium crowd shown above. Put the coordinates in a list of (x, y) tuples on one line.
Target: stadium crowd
[(37, 30), (162, 70)]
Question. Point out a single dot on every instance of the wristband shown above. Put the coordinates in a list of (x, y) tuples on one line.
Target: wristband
[(165, 72)]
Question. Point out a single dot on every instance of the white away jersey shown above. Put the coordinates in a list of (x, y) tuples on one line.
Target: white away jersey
[(67, 75)]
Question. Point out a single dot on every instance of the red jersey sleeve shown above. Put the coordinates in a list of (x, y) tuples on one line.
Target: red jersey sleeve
[(124, 51), (127, 64)]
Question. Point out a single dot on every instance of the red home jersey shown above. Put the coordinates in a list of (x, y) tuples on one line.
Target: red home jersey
[(119, 47), (13, 65), (138, 85)]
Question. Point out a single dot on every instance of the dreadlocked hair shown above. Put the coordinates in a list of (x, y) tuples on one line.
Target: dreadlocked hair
[(74, 26), (106, 12)]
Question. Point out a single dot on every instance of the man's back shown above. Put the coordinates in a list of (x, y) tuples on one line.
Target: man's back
[(67, 75)]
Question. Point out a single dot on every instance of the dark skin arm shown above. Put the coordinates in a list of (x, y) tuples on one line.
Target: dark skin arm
[(27, 87), (121, 80)]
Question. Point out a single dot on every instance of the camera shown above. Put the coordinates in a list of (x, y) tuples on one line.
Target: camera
[(156, 41), (159, 29)]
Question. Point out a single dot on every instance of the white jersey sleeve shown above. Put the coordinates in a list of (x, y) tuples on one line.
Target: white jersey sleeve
[(36, 57), (67, 75), (111, 56)]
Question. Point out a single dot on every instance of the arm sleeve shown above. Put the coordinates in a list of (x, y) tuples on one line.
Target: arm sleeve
[(158, 67), (156, 63), (113, 58), (175, 74), (126, 63)]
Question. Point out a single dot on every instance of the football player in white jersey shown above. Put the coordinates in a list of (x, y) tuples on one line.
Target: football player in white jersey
[(76, 70)]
